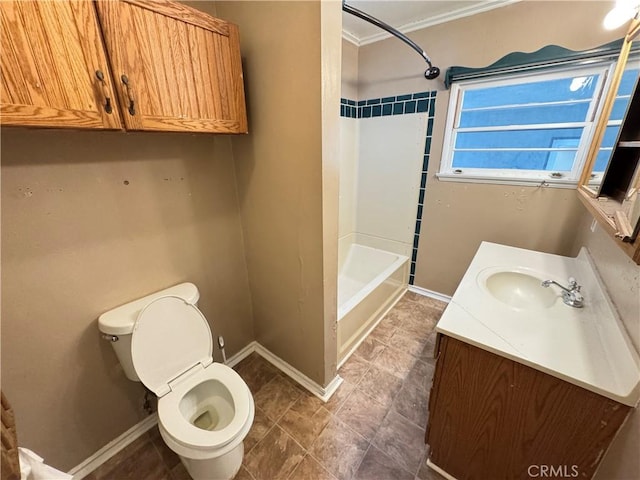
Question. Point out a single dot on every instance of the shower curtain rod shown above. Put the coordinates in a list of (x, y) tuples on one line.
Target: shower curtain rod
[(431, 72)]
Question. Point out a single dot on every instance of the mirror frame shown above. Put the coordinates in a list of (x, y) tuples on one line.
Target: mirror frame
[(611, 221)]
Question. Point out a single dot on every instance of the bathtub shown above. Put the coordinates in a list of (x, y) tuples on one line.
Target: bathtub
[(370, 281)]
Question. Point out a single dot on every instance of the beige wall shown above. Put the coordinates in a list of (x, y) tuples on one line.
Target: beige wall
[(331, 32), (458, 216), (279, 168), (91, 220)]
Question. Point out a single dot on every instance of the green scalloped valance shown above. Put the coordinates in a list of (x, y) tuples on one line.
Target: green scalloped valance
[(549, 56)]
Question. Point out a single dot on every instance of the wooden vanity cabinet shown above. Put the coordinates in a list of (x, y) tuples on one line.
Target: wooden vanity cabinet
[(171, 67), (177, 69), (493, 418), (51, 52)]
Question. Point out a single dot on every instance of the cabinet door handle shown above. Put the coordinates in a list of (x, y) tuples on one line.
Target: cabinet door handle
[(107, 100), (130, 96)]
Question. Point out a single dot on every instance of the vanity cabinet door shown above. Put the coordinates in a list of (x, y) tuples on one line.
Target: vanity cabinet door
[(176, 69), (51, 55), (494, 418)]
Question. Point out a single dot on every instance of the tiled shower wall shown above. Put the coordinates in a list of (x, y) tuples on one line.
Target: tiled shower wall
[(391, 140)]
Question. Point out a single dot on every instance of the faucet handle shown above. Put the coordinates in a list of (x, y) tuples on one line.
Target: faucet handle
[(573, 284)]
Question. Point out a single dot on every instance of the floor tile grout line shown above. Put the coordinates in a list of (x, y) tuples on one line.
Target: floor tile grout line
[(355, 472), (394, 460), (371, 398), (258, 442), (404, 416), (159, 453), (355, 384), (421, 428), (286, 433), (320, 463), (297, 466), (344, 424), (348, 428), (314, 440), (300, 393), (248, 472)]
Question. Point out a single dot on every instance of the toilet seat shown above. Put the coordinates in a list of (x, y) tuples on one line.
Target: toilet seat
[(170, 337), (188, 435), (172, 349)]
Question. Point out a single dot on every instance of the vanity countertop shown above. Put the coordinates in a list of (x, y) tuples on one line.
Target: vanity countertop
[(588, 346)]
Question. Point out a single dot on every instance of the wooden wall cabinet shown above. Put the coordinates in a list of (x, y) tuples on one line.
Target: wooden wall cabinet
[(171, 67), (51, 52), (491, 417), (177, 68)]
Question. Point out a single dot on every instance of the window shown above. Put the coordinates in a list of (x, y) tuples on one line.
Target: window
[(528, 128)]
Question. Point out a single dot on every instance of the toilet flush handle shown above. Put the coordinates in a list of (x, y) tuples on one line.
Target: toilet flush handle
[(221, 345), (110, 338)]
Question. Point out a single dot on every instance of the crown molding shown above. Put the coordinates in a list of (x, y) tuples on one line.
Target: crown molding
[(350, 37), (429, 22)]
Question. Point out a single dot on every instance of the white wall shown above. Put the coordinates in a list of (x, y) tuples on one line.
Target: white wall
[(349, 128), (390, 161)]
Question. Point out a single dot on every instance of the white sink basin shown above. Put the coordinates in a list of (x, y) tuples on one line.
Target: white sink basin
[(520, 290), (501, 306)]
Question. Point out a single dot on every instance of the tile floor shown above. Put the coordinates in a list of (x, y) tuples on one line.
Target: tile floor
[(371, 429)]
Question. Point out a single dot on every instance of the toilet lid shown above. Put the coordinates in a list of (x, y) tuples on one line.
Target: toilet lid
[(170, 336)]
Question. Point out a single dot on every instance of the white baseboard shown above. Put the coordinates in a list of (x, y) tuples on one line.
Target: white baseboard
[(429, 293), (135, 432), (113, 447), (433, 466), (241, 355), (323, 393)]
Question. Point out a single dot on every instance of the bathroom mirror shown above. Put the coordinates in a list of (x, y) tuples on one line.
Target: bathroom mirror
[(621, 101), (610, 181)]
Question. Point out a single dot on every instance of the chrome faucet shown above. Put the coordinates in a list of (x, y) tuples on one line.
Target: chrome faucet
[(570, 296)]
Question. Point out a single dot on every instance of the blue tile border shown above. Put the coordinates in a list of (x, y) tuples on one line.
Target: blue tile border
[(423, 183), (410, 103), (421, 102)]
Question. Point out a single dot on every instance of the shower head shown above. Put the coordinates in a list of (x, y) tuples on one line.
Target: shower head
[(431, 72)]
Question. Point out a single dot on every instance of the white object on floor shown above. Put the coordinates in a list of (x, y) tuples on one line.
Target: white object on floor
[(32, 467)]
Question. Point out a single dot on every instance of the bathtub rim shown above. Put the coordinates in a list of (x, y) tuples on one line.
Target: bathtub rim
[(375, 282)]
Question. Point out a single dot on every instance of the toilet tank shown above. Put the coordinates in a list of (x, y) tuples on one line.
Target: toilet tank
[(118, 323)]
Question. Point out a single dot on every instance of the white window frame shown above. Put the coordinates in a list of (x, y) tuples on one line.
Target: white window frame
[(524, 177)]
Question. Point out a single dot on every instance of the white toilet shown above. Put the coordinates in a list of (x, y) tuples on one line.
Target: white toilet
[(204, 408)]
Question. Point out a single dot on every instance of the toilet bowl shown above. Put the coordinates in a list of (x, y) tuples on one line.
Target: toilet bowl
[(205, 419), (205, 409)]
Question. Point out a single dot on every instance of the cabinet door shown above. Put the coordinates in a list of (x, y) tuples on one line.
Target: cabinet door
[(51, 52), (177, 69), (494, 418)]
